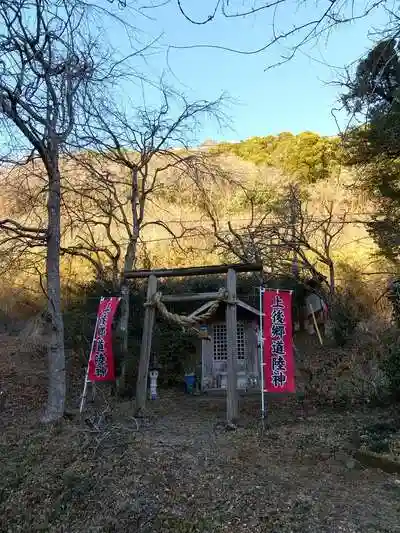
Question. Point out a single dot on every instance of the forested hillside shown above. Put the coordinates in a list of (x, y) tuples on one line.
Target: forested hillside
[(196, 217), (307, 157)]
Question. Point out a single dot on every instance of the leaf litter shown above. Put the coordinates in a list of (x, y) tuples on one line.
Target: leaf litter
[(180, 471)]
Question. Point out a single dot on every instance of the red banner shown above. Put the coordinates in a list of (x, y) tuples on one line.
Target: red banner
[(279, 368), (101, 361)]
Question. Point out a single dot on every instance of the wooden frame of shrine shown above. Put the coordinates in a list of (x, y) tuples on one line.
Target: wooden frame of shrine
[(155, 300)]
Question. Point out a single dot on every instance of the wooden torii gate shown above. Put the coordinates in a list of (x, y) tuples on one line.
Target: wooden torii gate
[(232, 404)]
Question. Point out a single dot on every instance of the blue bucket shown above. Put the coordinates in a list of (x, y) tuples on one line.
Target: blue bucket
[(190, 382)]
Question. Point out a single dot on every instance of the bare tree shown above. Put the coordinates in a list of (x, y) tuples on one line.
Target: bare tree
[(313, 237), (47, 66), (279, 233), (136, 160)]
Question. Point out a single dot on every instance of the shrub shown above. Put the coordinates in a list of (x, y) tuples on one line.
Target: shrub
[(391, 360), (392, 369), (393, 296), (346, 312)]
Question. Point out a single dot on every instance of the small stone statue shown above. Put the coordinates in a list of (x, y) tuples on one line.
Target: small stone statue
[(153, 384)]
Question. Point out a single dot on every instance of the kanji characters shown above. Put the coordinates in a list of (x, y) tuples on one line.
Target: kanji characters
[(100, 345), (101, 368), (278, 302), (102, 322), (278, 332), (279, 380), (278, 347), (100, 360), (278, 364), (278, 316)]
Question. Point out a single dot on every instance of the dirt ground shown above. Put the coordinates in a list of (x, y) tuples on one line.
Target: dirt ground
[(182, 472)]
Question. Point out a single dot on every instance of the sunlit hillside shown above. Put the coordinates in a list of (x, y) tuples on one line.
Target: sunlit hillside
[(178, 228)]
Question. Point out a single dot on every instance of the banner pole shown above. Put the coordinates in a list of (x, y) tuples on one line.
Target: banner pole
[(84, 390), (84, 393), (261, 349)]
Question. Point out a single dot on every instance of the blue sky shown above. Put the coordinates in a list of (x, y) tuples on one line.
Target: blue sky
[(294, 97)]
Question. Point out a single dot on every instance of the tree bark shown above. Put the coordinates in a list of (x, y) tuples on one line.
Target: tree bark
[(129, 261), (123, 335), (124, 318), (128, 264), (332, 284), (145, 349), (57, 379)]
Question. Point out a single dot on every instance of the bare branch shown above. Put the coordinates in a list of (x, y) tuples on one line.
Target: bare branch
[(316, 21)]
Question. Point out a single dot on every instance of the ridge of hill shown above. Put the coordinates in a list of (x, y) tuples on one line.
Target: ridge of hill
[(306, 156), (264, 165)]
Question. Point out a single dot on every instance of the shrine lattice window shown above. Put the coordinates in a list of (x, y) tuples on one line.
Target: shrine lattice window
[(220, 342)]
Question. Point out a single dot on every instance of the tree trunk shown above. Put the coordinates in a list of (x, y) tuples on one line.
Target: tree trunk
[(123, 335), (129, 261), (332, 278), (145, 348), (56, 356), (124, 317)]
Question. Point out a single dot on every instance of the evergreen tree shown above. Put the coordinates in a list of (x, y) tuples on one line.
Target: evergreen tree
[(374, 147)]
